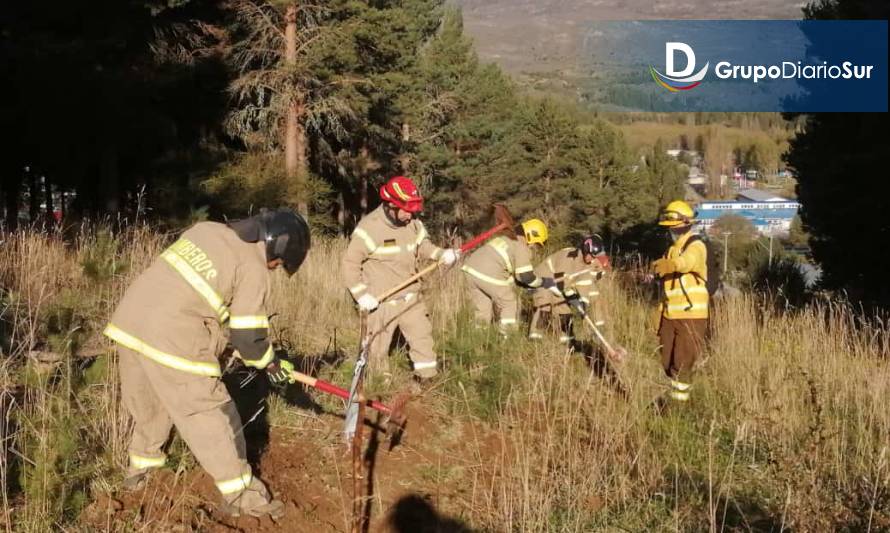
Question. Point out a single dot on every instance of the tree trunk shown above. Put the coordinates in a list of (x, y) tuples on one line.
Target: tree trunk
[(341, 212), (48, 199), (363, 194), (12, 197), (109, 180), (33, 198), (295, 161)]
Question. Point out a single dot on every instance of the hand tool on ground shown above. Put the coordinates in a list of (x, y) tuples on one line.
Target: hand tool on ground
[(614, 354), (504, 221), (393, 412), (352, 428)]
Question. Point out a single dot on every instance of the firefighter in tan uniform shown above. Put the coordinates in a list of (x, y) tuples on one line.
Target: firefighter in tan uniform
[(576, 272), (683, 273), (493, 270), (171, 326), (385, 249)]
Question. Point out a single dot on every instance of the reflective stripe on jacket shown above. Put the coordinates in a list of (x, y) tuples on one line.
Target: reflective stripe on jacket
[(380, 255), (685, 293), (178, 311), (500, 261)]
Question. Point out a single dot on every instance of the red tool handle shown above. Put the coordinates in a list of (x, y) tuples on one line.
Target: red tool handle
[(477, 240), (330, 388)]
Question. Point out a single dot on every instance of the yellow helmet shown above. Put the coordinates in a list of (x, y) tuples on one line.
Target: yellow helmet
[(677, 213), (535, 231)]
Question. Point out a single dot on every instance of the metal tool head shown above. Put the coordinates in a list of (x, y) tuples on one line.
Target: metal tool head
[(398, 418), (504, 220)]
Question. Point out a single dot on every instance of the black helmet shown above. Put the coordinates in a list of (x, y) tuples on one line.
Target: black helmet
[(591, 245), (285, 233)]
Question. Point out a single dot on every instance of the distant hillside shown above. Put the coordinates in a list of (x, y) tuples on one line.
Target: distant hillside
[(538, 39)]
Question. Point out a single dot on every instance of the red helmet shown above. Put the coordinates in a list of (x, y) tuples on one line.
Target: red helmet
[(402, 193)]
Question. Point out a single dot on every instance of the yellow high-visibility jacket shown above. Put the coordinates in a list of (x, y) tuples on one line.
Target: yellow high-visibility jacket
[(685, 292)]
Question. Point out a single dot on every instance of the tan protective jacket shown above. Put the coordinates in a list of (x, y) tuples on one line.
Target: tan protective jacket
[(380, 255), (176, 312), (572, 275), (502, 261)]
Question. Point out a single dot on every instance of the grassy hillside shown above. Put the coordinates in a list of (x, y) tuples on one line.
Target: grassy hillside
[(788, 427)]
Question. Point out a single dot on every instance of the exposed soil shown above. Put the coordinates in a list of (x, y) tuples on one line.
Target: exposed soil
[(311, 473)]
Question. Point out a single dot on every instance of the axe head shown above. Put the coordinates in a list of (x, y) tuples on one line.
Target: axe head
[(397, 419), (504, 220)]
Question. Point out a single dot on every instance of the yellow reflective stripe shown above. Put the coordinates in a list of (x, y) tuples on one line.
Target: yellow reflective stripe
[(506, 321), (488, 279), (584, 282), (141, 461), (535, 336), (264, 360), (599, 323), (500, 246), (593, 293), (363, 235), (680, 386), (679, 396), (424, 364), (685, 307), (198, 283), (248, 322), (580, 272), (421, 235), (238, 484), (177, 363), (387, 250), (523, 269), (565, 338), (357, 288), (690, 291)]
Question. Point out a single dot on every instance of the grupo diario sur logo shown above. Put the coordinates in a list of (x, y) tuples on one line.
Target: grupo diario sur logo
[(684, 80)]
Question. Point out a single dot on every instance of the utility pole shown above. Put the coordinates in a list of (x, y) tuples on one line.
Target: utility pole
[(770, 263), (726, 235)]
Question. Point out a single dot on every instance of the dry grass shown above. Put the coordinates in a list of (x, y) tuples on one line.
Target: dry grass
[(788, 428)]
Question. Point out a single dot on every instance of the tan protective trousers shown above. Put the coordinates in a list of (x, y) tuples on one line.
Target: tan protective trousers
[(489, 300), (159, 398), (410, 316), (545, 320)]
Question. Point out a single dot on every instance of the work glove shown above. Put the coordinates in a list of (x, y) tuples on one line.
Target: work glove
[(367, 302), (280, 372), (551, 285), (663, 267), (450, 256)]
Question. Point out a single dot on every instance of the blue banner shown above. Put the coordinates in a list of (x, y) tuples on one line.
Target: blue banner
[(735, 65)]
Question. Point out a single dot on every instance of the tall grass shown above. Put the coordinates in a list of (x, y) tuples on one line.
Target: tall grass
[(788, 427)]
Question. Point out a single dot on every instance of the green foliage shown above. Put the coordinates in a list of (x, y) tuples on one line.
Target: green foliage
[(483, 368), (797, 235), (59, 469), (835, 155), (783, 280), (101, 257)]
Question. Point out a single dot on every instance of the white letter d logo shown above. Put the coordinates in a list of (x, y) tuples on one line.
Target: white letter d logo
[(669, 49), (685, 75)]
